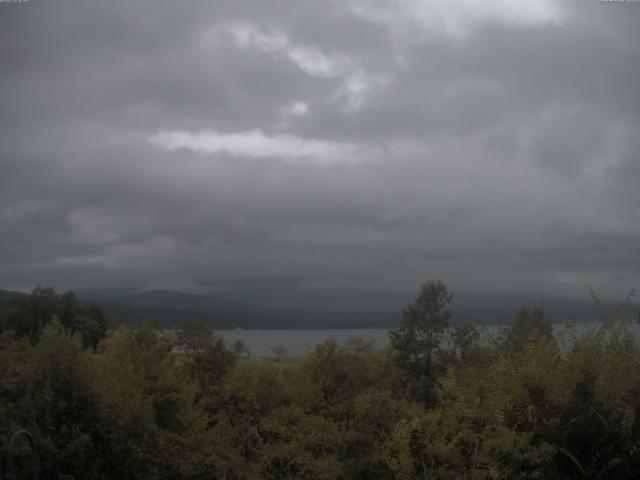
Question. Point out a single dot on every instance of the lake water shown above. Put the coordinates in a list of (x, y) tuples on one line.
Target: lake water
[(298, 342)]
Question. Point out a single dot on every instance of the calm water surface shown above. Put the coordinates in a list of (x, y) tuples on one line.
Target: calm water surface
[(298, 342)]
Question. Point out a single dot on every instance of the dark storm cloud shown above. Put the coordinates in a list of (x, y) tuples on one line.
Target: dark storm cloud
[(208, 144)]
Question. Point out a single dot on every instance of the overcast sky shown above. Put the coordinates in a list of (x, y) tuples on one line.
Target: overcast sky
[(335, 146)]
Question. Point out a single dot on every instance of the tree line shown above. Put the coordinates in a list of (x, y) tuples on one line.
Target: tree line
[(439, 402)]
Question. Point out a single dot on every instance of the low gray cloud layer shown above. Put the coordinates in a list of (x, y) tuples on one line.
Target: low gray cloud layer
[(336, 145)]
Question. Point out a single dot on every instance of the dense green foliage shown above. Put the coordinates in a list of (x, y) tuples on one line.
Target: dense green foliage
[(28, 315), (417, 341), (151, 404)]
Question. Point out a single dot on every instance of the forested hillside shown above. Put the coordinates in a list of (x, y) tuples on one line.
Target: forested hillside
[(122, 404), (168, 309)]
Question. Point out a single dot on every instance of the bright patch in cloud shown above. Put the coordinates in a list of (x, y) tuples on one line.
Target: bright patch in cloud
[(356, 82), (296, 109), (409, 20), (255, 144)]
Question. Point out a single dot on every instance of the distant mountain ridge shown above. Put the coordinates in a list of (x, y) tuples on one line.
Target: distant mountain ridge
[(164, 299), (9, 294), (170, 307)]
